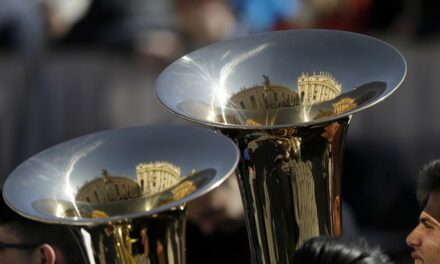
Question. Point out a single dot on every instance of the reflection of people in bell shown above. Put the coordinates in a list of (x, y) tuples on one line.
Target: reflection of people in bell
[(145, 241), (330, 131)]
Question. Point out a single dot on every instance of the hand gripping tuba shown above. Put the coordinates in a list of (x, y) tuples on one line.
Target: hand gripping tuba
[(123, 191), (286, 99)]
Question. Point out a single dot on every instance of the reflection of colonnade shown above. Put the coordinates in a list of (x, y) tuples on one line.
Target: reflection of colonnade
[(156, 176), (317, 87)]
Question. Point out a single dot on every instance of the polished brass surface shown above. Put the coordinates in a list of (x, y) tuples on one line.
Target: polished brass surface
[(290, 180), (123, 191), (153, 239), (286, 99)]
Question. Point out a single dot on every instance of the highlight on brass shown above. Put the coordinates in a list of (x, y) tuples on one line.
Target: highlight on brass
[(286, 168)]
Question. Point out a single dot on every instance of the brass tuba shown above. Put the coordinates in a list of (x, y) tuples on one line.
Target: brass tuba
[(123, 191), (286, 99)]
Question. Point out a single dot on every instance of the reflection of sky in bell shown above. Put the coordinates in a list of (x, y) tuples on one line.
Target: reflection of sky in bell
[(351, 59)]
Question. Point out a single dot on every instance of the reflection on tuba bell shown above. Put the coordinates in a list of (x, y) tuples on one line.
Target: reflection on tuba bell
[(286, 99), (123, 191)]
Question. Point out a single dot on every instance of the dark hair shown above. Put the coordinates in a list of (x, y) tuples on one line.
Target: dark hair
[(428, 181), (330, 250), (37, 233)]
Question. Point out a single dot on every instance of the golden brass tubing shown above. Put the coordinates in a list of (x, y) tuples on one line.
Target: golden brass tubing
[(290, 184)]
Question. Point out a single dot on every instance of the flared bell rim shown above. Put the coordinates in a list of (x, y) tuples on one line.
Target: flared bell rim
[(223, 162), (397, 73)]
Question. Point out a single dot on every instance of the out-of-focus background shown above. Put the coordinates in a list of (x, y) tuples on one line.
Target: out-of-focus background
[(68, 68)]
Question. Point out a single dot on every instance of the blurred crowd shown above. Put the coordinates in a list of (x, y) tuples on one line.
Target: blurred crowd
[(149, 35), (172, 27)]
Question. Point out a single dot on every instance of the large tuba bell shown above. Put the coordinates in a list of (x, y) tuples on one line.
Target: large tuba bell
[(123, 191), (286, 98)]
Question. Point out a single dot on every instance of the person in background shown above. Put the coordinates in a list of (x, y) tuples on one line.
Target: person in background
[(26, 241), (328, 250), (216, 231), (425, 238)]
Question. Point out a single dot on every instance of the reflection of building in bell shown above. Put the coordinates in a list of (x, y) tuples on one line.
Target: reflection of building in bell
[(183, 190), (156, 176), (108, 188), (263, 97), (312, 89), (264, 100), (317, 87), (344, 105)]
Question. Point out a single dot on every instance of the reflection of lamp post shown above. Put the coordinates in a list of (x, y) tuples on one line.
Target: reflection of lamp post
[(145, 242), (266, 96)]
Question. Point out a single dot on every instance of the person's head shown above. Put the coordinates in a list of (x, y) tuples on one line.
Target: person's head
[(26, 241), (220, 210), (329, 250), (425, 238)]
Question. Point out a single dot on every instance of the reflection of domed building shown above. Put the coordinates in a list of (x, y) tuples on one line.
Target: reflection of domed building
[(263, 100), (156, 176), (317, 87), (108, 188), (311, 89), (263, 97)]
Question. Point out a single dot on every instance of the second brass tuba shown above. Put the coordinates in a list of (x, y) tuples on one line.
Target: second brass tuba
[(123, 192)]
